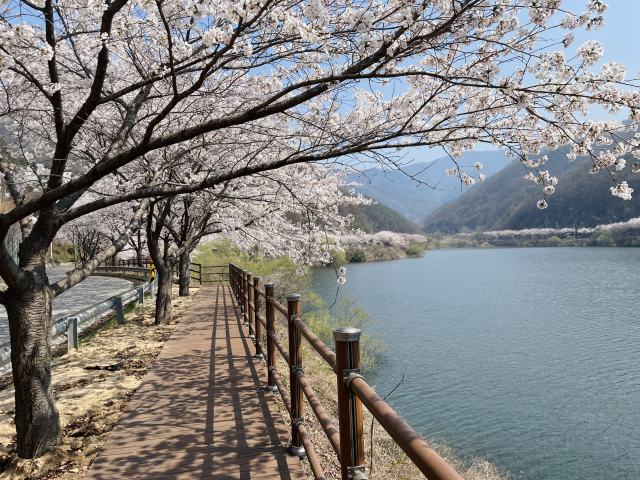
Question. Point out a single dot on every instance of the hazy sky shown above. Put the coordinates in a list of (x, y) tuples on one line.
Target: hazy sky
[(621, 27)]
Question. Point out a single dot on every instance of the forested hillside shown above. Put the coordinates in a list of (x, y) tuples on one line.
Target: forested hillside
[(508, 201), (379, 217)]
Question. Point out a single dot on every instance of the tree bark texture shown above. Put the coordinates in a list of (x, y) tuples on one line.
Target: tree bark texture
[(164, 279), (185, 273), (37, 419)]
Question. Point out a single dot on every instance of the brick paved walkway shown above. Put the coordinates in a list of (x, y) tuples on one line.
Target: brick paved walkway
[(201, 411)]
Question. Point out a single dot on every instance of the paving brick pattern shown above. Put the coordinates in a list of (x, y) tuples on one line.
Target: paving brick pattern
[(201, 412)]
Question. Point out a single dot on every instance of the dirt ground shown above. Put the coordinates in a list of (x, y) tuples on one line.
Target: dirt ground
[(92, 386)]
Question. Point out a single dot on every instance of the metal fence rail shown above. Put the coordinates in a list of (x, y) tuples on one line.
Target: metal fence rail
[(353, 391), (123, 269), (71, 324)]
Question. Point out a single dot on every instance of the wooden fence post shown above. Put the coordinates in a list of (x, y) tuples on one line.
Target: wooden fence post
[(269, 312), (295, 355), (257, 323), (231, 280), (243, 291), (347, 341), (249, 315), (236, 276)]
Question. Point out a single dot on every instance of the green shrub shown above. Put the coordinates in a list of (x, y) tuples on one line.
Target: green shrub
[(553, 242), (358, 256), (324, 322), (415, 249), (338, 258), (606, 240), (279, 270)]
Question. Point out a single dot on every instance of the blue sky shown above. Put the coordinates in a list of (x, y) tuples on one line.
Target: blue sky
[(622, 24)]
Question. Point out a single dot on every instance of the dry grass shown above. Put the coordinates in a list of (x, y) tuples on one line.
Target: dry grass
[(390, 462), (5, 204), (92, 387)]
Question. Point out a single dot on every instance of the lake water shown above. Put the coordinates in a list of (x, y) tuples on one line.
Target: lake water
[(529, 357)]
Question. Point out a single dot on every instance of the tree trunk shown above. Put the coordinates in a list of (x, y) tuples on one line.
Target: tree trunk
[(185, 273), (37, 419), (164, 279)]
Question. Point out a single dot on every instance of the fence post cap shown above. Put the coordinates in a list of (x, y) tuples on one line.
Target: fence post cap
[(256, 278), (347, 334), (244, 271), (293, 297), (249, 274), (269, 284)]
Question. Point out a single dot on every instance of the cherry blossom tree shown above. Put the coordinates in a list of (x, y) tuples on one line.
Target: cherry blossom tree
[(292, 211), (115, 95)]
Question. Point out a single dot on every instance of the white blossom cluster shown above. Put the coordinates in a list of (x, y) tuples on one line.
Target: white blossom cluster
[(547, 232)]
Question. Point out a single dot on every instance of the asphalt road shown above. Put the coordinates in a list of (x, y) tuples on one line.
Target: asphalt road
[(90, 291)]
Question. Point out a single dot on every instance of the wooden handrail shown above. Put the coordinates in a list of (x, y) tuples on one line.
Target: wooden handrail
[(355, 388)]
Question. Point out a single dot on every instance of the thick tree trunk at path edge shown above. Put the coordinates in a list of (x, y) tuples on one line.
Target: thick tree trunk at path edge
[(37, 419), (164, 277), (185, 274)]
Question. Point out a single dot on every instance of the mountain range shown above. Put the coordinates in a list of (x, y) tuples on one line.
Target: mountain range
[(508, 201), (415, 200), (504, 201)]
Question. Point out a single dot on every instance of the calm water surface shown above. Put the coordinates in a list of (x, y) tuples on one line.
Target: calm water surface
[(527, 356)]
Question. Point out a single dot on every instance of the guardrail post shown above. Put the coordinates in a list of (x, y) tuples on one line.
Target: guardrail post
[(152, 276), (295, 355), (249, 316), (269, 313), (119, 310), (257, 323), (347, 341), (141, 294), (72, 333)]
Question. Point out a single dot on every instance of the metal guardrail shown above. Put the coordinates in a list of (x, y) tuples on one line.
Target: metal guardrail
[(122, 269), (71, 323), (347, 439)]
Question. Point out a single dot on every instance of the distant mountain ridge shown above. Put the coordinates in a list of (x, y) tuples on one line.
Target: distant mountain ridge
[(379, 217), (415, 201), (507, 201)]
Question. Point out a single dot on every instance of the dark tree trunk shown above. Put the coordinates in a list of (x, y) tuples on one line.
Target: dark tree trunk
[(185, 273), (29, 311), (164, 279)]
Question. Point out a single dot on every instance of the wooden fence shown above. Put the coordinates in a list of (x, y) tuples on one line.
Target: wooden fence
[(203, 274), (353, 391), (210, 274), (133, 262)]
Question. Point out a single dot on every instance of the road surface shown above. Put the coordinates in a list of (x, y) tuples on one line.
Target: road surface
[(84, 294)]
